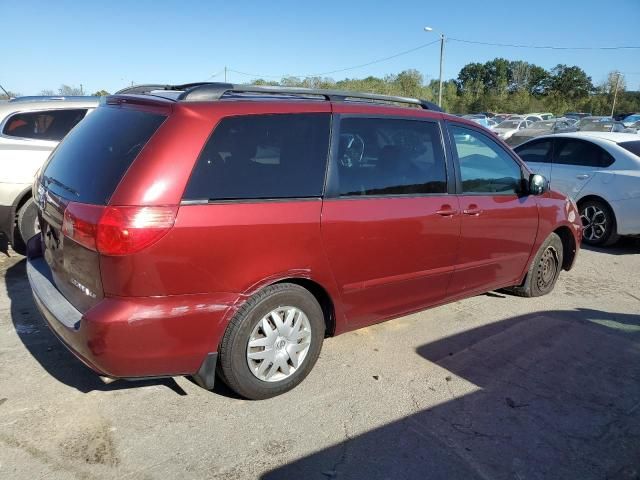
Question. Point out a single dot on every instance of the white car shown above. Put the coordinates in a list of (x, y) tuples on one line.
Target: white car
[(600, 171), (507, 128), (30, 128)]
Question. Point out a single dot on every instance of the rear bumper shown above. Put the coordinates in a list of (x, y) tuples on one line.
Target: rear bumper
[(134, 337)]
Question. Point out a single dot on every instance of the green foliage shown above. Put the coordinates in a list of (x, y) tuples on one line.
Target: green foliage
[(498, 85), (101, 93)]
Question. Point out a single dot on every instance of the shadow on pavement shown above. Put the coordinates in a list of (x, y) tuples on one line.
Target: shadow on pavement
[(625, 246), (553, 395), (45, 347)]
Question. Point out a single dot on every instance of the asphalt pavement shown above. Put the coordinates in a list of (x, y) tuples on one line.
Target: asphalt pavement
[(492, 387)]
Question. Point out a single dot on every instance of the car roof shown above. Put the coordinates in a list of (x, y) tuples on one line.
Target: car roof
[(216, 91), (49, 104)]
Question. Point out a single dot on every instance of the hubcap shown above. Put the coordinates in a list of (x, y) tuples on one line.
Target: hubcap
[(548, 268), (594, 221), (279, 344)]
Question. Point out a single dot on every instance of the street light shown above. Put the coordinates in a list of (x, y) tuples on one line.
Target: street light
[(429, 29)]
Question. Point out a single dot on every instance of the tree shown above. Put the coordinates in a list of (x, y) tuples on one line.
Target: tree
[(570, 82), (538, 80), (497, 75), (471, 79), (101, 93), (47, 93)]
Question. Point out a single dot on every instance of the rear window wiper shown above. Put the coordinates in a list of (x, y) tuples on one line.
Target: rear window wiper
[(60, 184)]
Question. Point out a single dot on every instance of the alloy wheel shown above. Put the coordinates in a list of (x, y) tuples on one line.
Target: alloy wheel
[(594, 221)]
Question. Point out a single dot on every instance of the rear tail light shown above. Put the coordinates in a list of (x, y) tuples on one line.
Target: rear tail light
[(117, 230)]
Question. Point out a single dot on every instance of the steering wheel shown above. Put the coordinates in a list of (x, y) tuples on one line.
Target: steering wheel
[(353, 149)]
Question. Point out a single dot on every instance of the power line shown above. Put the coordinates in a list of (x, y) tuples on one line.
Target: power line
[(424, 45), (405, 52), (546, 47)]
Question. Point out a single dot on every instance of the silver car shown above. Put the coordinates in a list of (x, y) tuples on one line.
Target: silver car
[(30, 128), (544, 127)]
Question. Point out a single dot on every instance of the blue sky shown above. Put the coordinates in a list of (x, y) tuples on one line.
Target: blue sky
[(109, 44)]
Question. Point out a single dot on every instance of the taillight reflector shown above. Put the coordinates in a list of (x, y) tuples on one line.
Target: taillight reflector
[(117, 230)]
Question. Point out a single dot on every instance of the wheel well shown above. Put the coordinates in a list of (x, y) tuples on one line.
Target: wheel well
[(568, 246), (323, 298), (25, 197)]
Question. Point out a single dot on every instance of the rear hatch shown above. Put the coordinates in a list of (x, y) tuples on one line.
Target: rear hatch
[(74, 189)]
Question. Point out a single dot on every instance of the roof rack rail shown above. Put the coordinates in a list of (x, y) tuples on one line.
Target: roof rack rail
[(212, 91)]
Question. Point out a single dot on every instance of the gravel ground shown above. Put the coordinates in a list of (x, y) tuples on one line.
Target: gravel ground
[(492, 387)]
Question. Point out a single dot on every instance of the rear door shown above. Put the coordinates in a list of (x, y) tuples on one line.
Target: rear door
[(390, 222), (575, 162), (499, 222)]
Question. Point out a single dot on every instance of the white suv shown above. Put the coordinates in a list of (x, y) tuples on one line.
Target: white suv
[(30, 128)]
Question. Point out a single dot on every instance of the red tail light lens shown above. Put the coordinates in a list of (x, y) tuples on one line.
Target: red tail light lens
[(117, 230), (124, 230), (80, 223)]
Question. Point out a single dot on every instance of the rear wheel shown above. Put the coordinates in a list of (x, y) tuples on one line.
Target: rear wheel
[(272, 342), (544, 269), (599, 224), (27, 226)]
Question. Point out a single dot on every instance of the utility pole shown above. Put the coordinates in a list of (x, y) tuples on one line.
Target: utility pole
[(615, 94), (81, 91), (442, 39), (441, 61), (225, 74)]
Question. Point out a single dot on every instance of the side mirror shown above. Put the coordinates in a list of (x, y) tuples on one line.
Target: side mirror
[(538, 184)]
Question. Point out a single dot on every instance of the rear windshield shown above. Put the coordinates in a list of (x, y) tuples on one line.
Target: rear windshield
[(90, 162), (633, 146)]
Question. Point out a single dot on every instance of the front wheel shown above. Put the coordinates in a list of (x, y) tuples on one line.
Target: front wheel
[(544, 269), (272, 342)]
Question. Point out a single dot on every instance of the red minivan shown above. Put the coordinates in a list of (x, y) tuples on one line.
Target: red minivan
[(211, 229)]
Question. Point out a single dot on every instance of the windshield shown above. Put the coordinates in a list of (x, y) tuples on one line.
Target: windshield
[(632, 118), (508, 124)]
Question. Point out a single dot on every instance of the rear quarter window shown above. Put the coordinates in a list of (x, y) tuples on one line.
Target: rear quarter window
[(90, 162), (50, 125), (263, 157), (633, 147)]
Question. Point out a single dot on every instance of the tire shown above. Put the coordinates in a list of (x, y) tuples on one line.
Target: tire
[(273, 369), (544, 269), (599, 224), (25, 226)]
